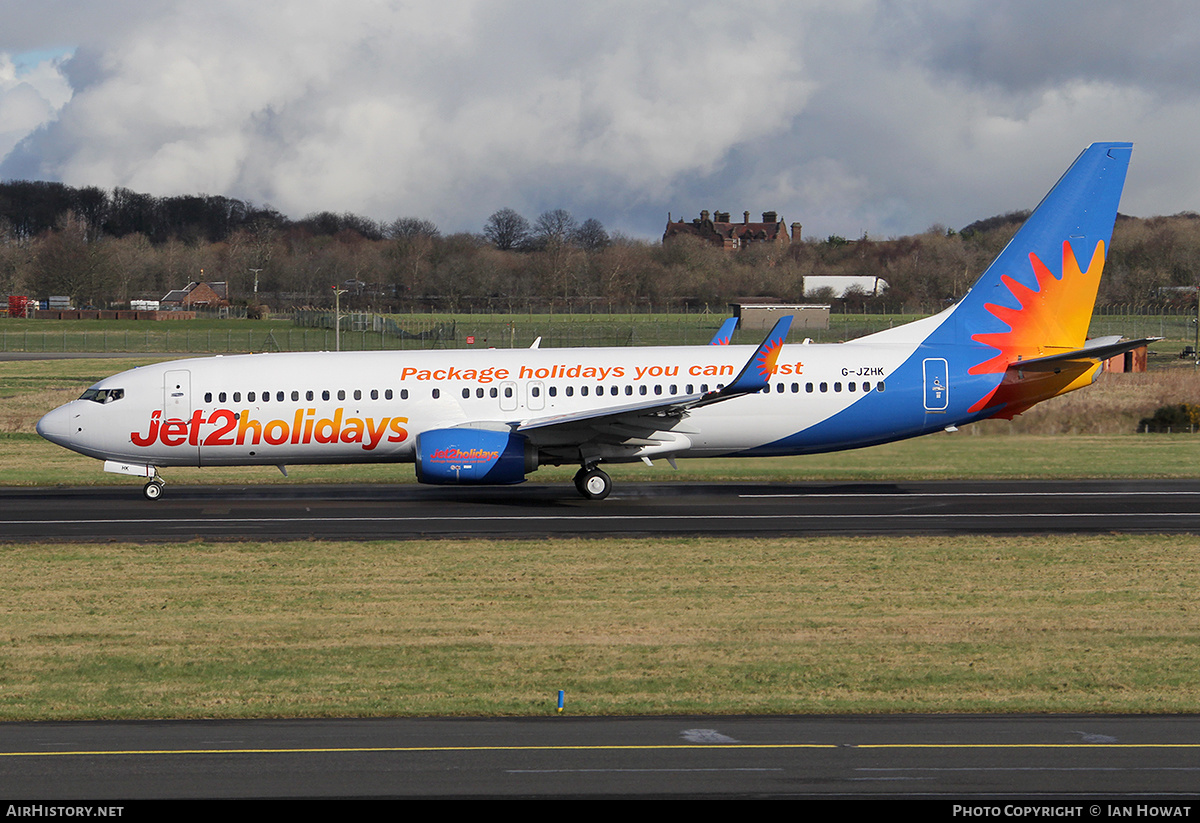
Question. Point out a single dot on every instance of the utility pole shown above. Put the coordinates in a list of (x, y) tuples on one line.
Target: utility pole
[(256, 271), (1195, 290), (337, 318)]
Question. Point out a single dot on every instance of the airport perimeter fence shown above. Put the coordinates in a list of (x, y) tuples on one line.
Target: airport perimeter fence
[(313, 331), (1172, 322)]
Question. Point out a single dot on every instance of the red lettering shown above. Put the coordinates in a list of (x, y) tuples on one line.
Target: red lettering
[(217, 438), (174, 432), (374, 433), (194, 428), (151, 436), (276, 432)]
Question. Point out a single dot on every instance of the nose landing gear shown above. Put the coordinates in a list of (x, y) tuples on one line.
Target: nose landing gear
[(153, 489)]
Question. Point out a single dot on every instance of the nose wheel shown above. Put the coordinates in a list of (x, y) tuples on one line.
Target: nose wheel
[(593, 483), (153, 490)]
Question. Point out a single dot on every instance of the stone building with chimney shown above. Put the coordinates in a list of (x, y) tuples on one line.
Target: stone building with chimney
[(718, 230)]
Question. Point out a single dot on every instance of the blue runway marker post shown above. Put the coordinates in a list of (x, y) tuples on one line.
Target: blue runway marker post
[(561, 695)]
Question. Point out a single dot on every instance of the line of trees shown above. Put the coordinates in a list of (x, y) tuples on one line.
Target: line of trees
[(106, 248)]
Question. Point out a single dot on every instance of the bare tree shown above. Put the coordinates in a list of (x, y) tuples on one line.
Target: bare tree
[(406, 228), (413, 241), (555, 227), (506, 229), (591, 236)]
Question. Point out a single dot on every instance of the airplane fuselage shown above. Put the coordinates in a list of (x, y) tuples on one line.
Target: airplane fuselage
[(326, 407)]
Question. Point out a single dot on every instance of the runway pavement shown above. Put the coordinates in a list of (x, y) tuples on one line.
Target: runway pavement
[(1076, 761), (408, 511)]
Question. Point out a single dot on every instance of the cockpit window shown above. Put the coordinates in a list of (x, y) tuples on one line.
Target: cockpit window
[(103, 395)]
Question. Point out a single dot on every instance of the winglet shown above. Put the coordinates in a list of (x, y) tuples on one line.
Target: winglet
[(756, 374), (725, 333)]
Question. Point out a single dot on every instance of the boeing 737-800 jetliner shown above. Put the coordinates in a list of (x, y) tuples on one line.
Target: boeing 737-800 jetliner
[(492, 417)]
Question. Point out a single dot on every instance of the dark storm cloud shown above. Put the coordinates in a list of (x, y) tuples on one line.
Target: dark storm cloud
[(847, 117)]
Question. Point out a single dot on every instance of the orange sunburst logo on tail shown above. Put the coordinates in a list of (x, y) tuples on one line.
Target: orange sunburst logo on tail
[(766, 359), (1051, 318)]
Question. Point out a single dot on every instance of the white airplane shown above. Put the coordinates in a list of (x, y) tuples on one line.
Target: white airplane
[(492, 417)]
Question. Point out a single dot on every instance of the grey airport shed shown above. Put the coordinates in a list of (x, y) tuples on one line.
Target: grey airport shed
[(764, 315)]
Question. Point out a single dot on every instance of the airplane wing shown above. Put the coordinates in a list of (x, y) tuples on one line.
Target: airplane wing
[(651, 426)]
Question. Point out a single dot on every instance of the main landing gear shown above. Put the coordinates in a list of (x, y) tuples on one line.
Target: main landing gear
[(154, 488), (593, 483)]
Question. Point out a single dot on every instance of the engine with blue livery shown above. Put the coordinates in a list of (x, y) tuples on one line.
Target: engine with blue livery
[(466, 456)]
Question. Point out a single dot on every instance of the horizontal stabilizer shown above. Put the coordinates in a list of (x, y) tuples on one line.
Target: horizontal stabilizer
[(1093, 351)]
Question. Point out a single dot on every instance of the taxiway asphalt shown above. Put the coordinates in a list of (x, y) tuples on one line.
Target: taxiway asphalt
[(397, 512)]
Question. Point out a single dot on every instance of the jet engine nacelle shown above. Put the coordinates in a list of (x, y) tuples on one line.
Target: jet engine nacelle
[(473, 456)]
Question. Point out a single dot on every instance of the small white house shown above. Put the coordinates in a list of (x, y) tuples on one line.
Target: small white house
[(841, 284)]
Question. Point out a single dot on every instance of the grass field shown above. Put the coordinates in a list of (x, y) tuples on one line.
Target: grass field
[(1025, 624), (422, 331)]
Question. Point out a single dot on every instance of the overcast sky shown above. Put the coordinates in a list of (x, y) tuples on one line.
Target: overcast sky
[(883, 117)]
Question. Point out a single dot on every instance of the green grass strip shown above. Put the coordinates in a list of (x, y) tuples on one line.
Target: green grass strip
[(626, 627)]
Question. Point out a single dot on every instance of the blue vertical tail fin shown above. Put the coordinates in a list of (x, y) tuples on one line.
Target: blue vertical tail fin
[(1037, 297)]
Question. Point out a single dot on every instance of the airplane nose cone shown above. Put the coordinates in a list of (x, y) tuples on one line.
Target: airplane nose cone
[(55, 426)]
